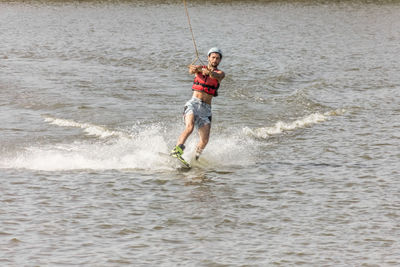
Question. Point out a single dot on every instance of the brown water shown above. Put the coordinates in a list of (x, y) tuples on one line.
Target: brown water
[(303, 163)]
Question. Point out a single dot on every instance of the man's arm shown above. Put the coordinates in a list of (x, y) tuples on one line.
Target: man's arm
[(219, 75), (216, 74)]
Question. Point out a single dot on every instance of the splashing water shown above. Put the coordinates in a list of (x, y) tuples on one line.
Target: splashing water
[(121, 150)]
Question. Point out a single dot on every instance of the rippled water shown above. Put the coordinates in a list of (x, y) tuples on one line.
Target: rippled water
[(301, 169)]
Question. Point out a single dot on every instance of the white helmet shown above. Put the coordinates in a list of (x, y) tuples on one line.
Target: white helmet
[(215, 50)]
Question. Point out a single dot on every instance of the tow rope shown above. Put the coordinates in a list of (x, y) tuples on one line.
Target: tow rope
[(193, 39)]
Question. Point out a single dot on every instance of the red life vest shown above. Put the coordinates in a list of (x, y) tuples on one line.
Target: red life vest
[(206, 84)]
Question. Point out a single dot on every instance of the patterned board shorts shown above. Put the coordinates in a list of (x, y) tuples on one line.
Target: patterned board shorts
[(201, 110)]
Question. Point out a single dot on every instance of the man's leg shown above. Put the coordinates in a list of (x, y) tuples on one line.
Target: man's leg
[(189, 126), (204, 134), (180, 145)]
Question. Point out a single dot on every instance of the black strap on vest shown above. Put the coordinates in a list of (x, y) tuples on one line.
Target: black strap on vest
[(207, 86)]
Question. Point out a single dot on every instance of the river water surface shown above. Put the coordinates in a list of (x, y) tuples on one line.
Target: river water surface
[(302, 167)]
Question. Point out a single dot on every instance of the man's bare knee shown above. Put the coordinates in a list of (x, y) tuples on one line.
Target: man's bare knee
[(189, 128)]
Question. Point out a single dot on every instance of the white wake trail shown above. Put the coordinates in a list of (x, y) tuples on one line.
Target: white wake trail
[(280, 126), (90, 129)]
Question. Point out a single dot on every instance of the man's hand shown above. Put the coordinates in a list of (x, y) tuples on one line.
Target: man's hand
[(205, 71), (193, 69)]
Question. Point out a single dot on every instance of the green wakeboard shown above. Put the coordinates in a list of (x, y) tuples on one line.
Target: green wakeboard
[(182, 161)]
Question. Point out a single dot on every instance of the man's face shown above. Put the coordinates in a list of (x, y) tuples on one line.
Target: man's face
[(214, 59)]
